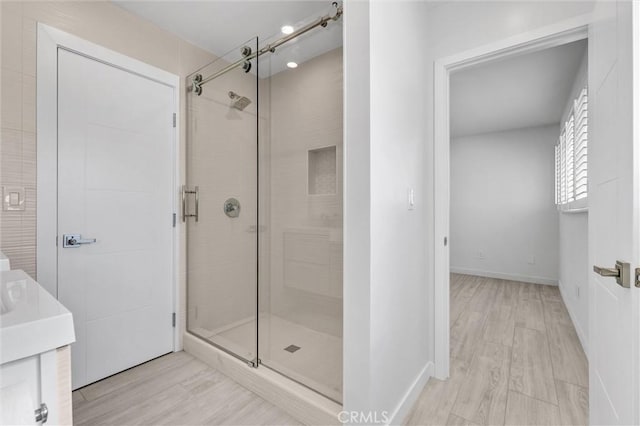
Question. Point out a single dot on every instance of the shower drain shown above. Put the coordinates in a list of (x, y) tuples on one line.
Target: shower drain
[(292, 348)]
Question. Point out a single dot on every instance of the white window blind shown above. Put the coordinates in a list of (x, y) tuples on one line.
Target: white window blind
[(571, 168), (557, 168), (580, 150)]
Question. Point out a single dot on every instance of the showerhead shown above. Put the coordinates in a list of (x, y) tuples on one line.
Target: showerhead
[(239, 102)]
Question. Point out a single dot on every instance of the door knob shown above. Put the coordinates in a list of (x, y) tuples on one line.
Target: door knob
[(621, 273), (75, 240)]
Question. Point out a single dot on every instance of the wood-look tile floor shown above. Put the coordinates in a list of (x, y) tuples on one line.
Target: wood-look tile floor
[(175, 389), (515, 359)]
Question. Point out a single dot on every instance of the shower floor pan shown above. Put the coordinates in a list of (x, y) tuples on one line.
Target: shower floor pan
[(316, 364)]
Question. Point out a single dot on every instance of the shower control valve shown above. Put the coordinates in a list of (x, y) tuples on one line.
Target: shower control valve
[(231, 208)]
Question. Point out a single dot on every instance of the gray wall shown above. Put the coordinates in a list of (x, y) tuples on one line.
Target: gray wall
[(504, 221)]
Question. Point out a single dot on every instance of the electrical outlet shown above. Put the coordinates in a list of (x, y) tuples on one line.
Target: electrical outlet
[(480, 254), (531, 260)]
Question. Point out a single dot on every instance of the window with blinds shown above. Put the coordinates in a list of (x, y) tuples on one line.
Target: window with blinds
[(571, 157)]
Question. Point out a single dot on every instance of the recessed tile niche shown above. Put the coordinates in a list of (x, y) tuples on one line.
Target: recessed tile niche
[(322, 171)]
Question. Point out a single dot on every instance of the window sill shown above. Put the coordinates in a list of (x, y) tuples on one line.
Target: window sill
[(580, 206), (576, 210)]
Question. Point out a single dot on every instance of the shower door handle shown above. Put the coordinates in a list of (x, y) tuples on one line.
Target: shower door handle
[(197, 202), (185, 193)]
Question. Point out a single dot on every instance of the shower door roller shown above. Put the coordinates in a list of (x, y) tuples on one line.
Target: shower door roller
[(232, 208)]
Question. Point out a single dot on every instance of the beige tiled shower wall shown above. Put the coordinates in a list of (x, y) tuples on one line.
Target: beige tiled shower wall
[(305, 228), (100, 22)]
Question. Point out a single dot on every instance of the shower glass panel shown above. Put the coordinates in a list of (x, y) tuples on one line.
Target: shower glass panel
[(222, 241), (300, 328), (264, 256)]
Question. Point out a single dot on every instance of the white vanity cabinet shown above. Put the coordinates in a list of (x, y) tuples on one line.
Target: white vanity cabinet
[(35, 368)]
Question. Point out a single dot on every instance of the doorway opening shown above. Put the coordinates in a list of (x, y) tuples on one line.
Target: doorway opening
[(517, 238)]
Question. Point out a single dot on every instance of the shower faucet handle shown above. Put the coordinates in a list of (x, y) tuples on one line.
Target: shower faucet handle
[(231, 208)]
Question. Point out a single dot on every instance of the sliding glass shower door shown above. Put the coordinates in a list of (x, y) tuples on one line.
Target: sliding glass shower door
[(220, 204), (264, 208), (300, 324)]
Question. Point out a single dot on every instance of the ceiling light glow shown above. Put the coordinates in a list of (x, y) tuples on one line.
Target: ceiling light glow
[(292, 64), (287, 29)]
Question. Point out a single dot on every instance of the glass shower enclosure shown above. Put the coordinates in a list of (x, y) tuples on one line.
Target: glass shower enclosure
[(221, 208), (263, 208)]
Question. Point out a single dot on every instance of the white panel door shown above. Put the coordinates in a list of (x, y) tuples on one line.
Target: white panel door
[(613, 217), (115, 184)]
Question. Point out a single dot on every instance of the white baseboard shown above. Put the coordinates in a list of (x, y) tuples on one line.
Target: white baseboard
[(403, 409), (503, 276), (582, 336)]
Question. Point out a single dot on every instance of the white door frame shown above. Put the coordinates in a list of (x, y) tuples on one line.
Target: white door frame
[(49, 40), (636, 175), (543, 38)]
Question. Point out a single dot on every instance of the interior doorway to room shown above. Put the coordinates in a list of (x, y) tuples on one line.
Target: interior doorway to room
[(518, 250), (613, 246)]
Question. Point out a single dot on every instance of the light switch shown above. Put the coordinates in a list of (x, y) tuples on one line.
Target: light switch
[(13, 198), (411, 199)]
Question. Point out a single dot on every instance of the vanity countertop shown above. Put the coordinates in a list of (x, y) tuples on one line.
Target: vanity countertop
[(32, 321)]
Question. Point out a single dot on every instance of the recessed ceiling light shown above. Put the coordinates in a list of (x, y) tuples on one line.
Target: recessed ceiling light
[(292, 64), (287, 29)]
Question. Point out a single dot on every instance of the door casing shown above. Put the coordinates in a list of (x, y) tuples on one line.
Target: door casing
[(550, 36), (543, 38), (48, 42)]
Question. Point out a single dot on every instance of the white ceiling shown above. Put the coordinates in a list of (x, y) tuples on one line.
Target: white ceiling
[(524, 91), (222, 26)]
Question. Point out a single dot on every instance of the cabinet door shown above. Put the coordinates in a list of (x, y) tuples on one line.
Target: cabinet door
[(20, 391)]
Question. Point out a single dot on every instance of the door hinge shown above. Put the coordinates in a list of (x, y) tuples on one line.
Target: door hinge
[(174, 119), (173, 319), (174, 220)]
